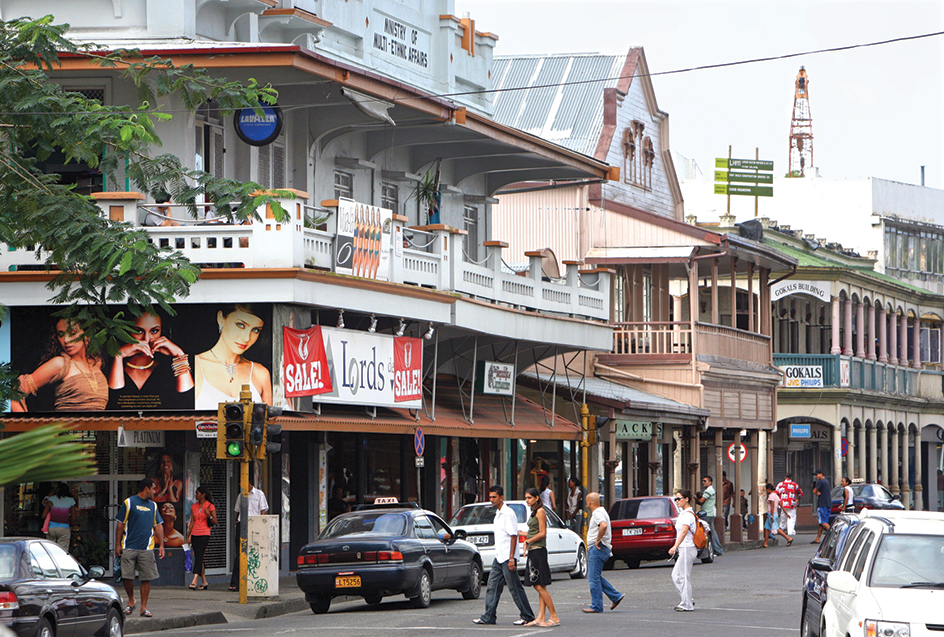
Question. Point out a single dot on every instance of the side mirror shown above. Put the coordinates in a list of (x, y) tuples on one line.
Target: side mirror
[(896, 497), (96, 572), (460, 534), (842, 582), (821, 564)]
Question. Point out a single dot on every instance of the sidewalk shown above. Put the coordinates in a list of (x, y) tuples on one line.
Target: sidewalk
[(180, 607)]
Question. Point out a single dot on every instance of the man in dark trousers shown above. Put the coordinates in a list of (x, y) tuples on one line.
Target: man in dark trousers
[(824, 502), (504, 569), (138, 530)]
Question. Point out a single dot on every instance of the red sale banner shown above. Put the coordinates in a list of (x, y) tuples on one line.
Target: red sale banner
[(407, 368), (305, 365)]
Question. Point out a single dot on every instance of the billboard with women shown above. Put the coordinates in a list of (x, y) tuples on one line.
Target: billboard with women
[(195, 359)]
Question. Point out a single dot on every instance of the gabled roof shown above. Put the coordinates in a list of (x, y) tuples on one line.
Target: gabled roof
[(571, 114)]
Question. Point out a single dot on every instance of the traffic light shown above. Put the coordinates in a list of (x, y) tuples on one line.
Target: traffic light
[(272, 430), (231, 423), (257, 428)]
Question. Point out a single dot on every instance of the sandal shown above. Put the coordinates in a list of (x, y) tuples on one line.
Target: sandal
[(202, 588), (790, 541), (130, 609), (192, 587), (146, 613)]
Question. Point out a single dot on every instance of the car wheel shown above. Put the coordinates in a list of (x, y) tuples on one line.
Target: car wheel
[(114, 624), (805, 624), (320, 605), (425, 588), (475, 583), (632, 562), (45, 628), (373, 600), (709, 554), (580, 569)]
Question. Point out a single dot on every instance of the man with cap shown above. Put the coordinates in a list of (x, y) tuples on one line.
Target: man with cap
[(823, 502)]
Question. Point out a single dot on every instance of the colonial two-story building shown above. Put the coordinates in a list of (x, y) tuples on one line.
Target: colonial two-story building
[(379, 313)]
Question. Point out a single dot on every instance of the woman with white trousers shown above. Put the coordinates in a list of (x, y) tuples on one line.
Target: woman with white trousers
[(685, 545)]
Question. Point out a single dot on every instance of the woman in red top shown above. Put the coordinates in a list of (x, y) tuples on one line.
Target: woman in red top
[(199, 532)]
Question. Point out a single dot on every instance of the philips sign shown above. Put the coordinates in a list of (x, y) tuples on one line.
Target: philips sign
[(801, 431), (258, 128)]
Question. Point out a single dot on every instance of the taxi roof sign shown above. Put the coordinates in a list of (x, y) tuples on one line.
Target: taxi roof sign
[(388, 500)]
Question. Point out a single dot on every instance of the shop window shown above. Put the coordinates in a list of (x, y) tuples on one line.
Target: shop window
[(390, 196), (343, 184), (470, 223)]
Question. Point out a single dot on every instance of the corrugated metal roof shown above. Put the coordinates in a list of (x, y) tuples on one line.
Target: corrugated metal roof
[(570, 115)]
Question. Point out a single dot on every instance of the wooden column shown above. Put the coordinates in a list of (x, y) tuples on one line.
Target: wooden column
[(715, 309), (750, 298), (734, 306)]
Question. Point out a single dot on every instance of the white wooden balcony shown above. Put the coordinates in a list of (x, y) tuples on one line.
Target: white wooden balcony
[(429, 257)]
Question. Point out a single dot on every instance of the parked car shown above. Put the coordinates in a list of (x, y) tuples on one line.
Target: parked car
[(45, 592), (387, 550), (828, 554), (890, 578), (865, 496), (566, 551), (644, 529)]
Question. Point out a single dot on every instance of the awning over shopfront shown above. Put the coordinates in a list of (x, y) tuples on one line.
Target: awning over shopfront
[(489, 415)]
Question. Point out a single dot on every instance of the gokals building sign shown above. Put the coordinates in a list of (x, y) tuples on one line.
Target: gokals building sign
[(788, 287), (802, 375)]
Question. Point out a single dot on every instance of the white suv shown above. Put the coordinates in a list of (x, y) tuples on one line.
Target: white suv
[(890, 580)]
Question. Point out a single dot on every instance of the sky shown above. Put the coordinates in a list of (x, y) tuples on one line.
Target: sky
[(877, 111)]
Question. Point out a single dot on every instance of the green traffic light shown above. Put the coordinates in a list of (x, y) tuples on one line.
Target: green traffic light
[(234, 449)]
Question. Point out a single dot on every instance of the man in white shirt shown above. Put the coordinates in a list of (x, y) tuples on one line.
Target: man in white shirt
[(600, 541), (504, 568), (258, 505)]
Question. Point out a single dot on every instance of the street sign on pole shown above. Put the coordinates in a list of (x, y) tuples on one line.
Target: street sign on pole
[(419, 442), (731, 455), (744, 164), (755, 178), (753, 191)]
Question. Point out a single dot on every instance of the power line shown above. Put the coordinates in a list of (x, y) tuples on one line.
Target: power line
[(704, 67)]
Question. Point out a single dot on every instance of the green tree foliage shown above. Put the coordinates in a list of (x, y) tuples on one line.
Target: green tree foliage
[(96, 261), (43, 454)]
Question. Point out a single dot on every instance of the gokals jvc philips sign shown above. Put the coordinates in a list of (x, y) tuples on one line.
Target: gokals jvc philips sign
[(258, 127), (802, 375)]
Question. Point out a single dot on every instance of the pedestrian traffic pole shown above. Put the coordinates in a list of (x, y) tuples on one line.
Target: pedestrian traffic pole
[(245, 396), (584, 455)]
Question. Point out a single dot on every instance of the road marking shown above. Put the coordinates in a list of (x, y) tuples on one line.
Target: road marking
[(669, 621)]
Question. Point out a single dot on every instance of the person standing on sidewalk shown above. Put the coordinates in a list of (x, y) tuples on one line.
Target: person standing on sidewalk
[(685, 546), (790, 493), (709, 508), (727, 494), (202, 517), (504, 569), (258, 505), (573, 513), (61, 509), (771, 524), (823, 503), (139, 527), (848, 499), (600, 541)]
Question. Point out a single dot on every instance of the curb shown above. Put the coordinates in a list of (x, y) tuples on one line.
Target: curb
[(137, 625)]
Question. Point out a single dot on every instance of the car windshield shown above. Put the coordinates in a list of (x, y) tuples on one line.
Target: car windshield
[(368, 523), (912, 561), (7, 562), (485, 514), (643, 509)]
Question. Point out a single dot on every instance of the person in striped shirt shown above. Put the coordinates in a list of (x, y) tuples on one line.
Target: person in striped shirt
[(790, 493)]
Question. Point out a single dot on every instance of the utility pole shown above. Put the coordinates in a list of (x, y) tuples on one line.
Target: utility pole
[(801, 128)]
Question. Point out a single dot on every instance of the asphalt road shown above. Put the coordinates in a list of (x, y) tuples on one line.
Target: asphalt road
[(754, 592)]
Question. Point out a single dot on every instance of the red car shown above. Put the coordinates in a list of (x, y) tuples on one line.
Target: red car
[(644, 529)]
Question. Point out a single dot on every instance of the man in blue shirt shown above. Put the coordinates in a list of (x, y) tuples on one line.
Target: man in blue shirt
[(138, 530), (824, 502)]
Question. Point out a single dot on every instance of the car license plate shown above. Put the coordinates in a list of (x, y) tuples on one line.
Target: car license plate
[(632, 531), (348, 581), (478, 539)]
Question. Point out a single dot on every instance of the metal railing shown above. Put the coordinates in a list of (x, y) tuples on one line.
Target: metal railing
[(856, 373)]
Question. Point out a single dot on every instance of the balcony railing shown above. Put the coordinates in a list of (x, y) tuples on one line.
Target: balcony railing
[(429, 257), (854, 373), (673, 341)]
